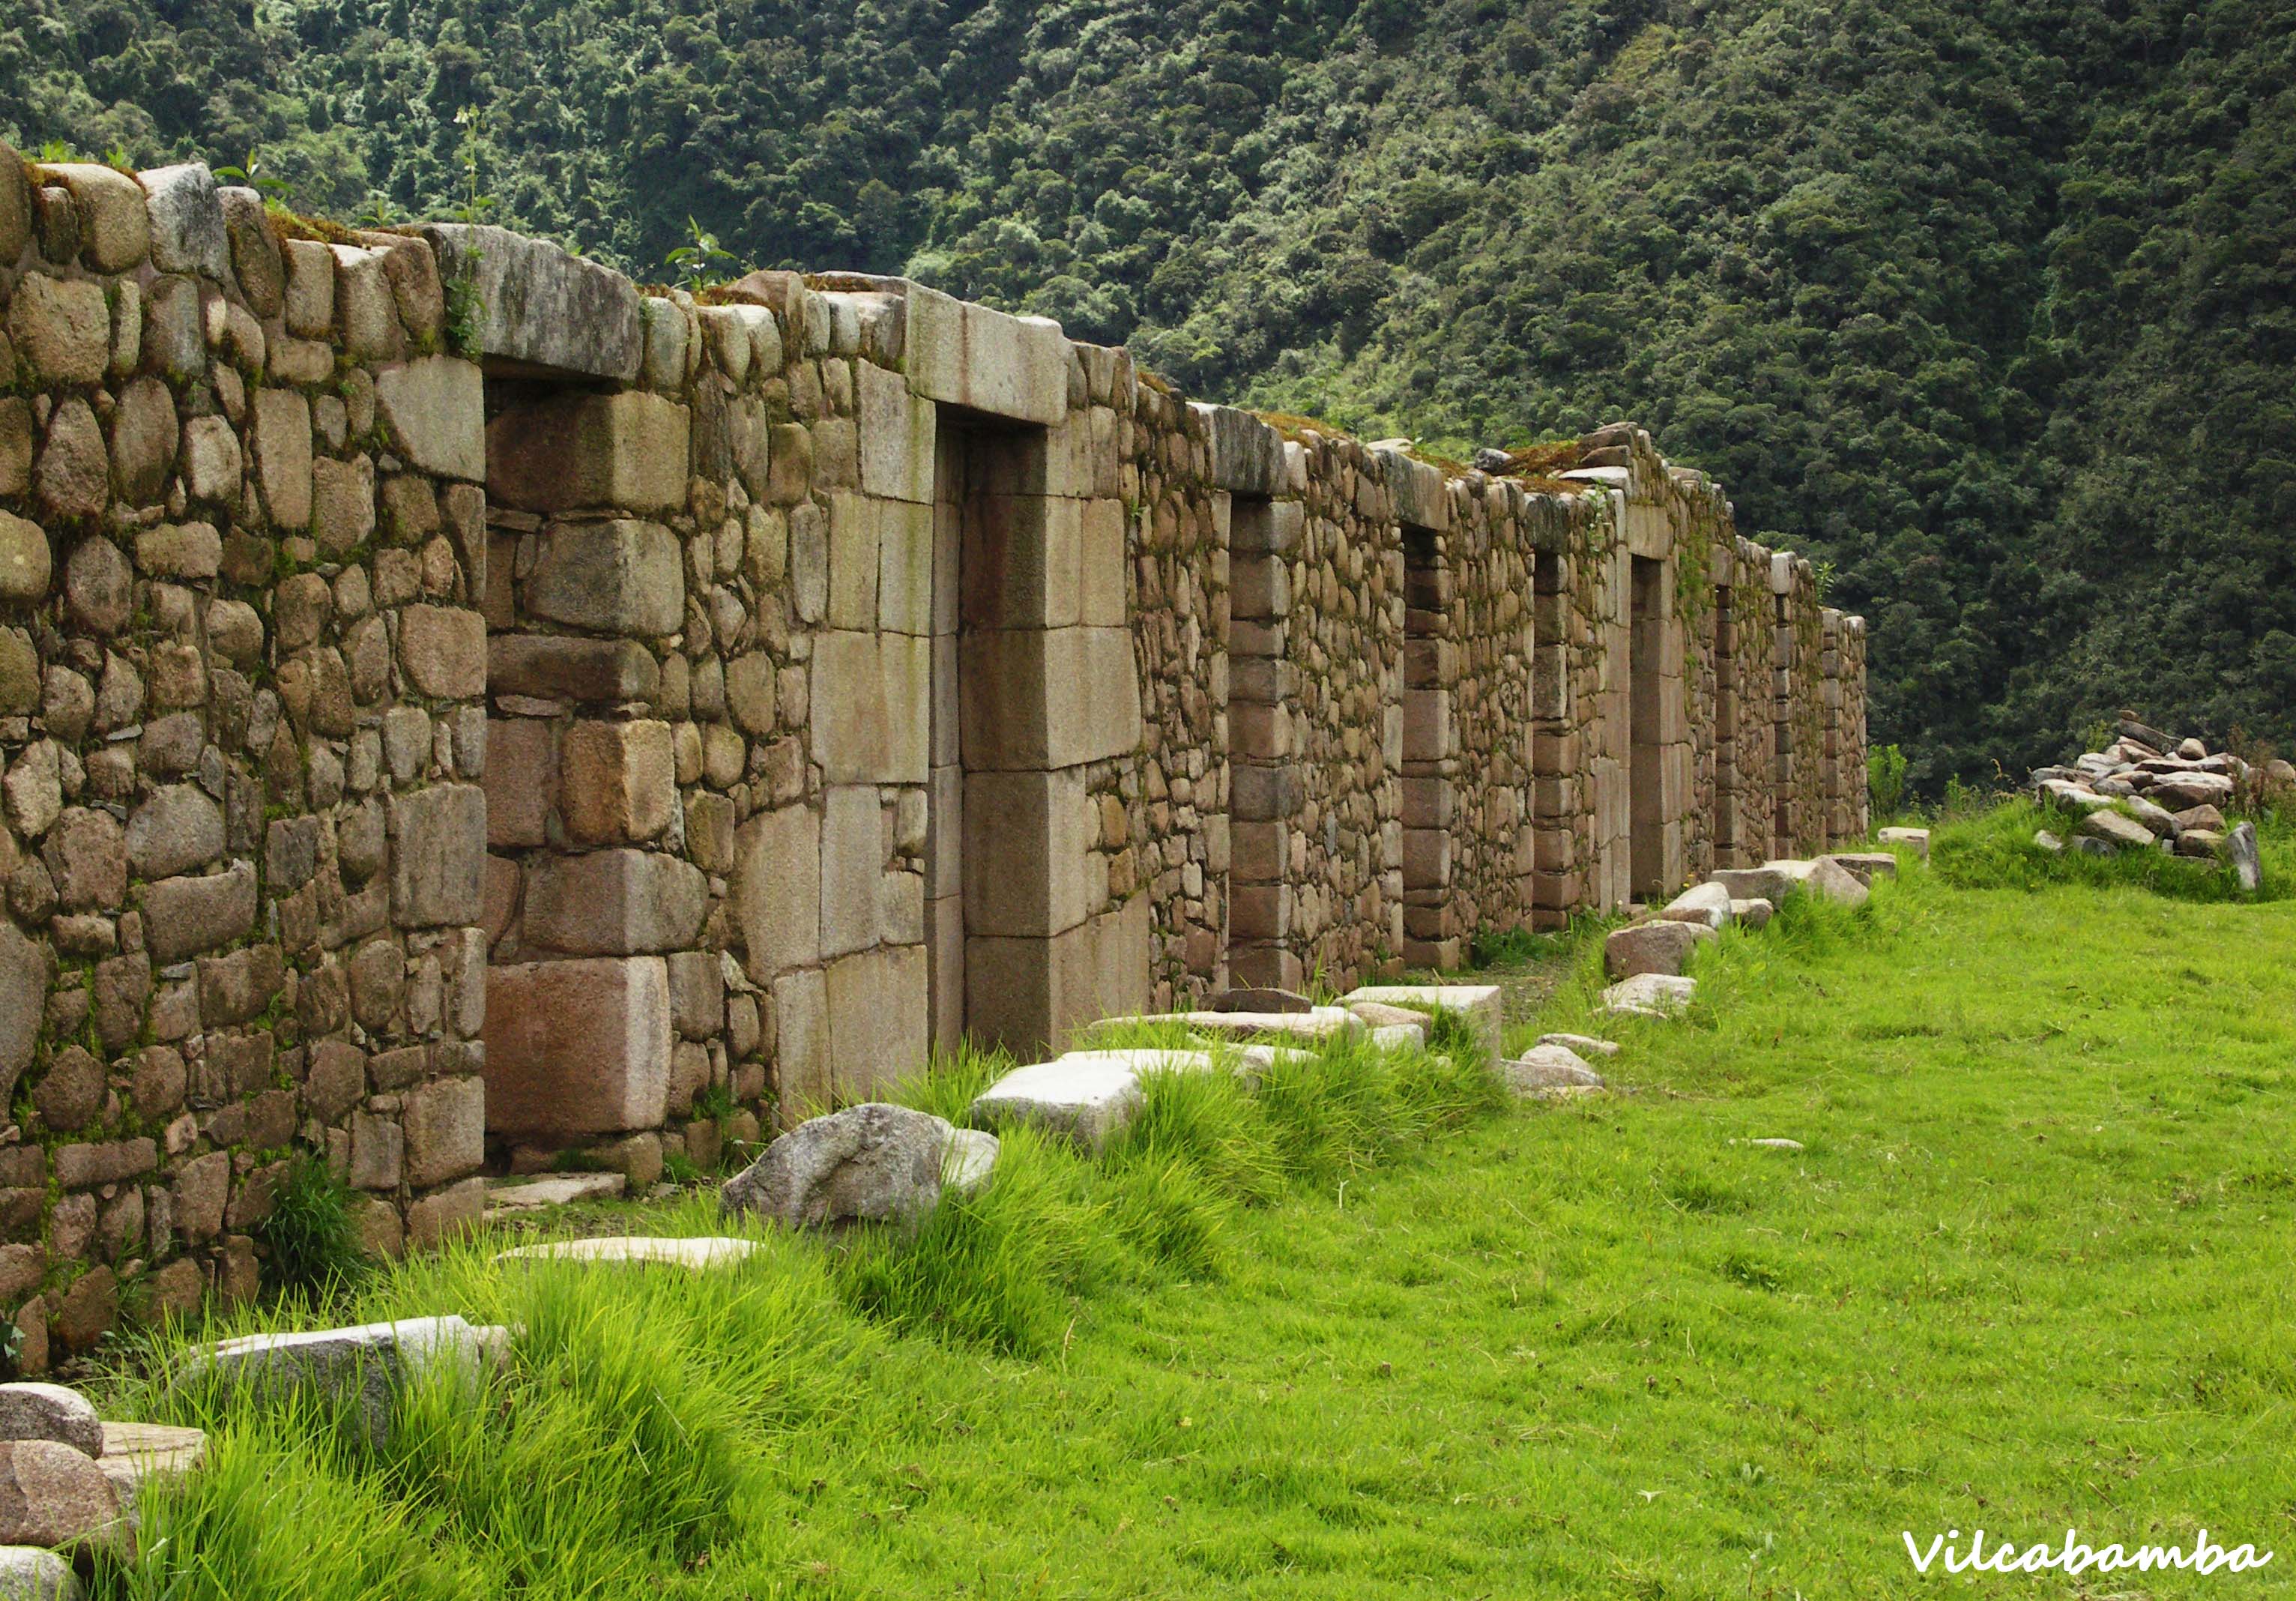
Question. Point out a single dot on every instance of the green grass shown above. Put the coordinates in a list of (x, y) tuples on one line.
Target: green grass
[(2031, 1270)]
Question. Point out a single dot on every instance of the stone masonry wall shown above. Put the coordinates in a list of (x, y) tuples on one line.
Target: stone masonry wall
[(459, 710), (241, 671)]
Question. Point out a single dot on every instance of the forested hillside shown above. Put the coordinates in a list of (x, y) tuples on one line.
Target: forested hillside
[(1986, 303)]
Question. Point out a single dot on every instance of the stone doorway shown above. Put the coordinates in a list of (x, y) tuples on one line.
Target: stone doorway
[(1646, 769), (1432, 937)]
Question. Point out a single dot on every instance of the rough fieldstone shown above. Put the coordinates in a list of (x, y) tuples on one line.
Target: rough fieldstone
[(2117, 831), (173, 343), (186, 916), (71, 1091), (23, 1001), (212, 464), (186, 221), (444, 650), (177, 829), (343, 503), (29, 1572), (255, 255), (2180, 790), (1583, 1045), (114, 229), (367, 1364), (61, 330), (86, 852), (538, 305), (34, 1411), (874, 1162), (1651, 947), (55, 1496), (144, 441), (72, 476), (26, 564), (434, 411)]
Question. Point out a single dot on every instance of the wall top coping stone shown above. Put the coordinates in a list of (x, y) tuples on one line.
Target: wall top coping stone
[(538, 306), (1248, 456)]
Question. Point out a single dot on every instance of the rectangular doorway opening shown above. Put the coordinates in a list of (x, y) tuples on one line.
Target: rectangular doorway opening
[(1646, 784), (1431, 932), (1726, 730), (1264, 789)]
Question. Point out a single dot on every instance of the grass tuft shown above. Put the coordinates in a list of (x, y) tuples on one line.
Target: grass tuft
[(311, 1237)]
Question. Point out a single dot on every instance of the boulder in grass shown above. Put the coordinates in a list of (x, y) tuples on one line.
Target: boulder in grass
[(53, 1495), (1752, 914), (1916, 840), (1772, 883), (2045, 840), (1867, 866), (871, 1164), (2247, 861), (31, 1411), (2200, 844), (2199, 816), (1651, 947), (1262, 1000)]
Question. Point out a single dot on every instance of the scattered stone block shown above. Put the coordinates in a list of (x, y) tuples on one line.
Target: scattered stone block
[(1318, 1022), (1865, 866), (367, 1364), (1649, 995), (1830, 880), (1916, 840), (1260, 1000), (1651, 947), (137, 1453), (1752, 914), (1708, 903), (1548, 1067), (875, 1162), (695, 1253), (2247, 861), (1480, 1006), (1400, 1037), (1772, 882), (1086, 1095)]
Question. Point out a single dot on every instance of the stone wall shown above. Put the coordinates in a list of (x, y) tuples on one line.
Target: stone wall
[(461, 709)]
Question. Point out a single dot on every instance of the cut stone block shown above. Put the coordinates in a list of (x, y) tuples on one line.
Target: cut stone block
[(1651, 947), (695, 1253), (777, 900), (1772, 883), (1916, 840), (1482, 1006), (555, 667), (539, 306), (626, 451), (620, 576), (1649, 995), (878, 1034), (967, 355), (1086, 1095), (1864, 866), (614, 903), (367, 1363), (576, 1048), (1318, 1022), (1029, 838), (434, 411), (872, 707), (1247, 454), (1423, 497), (1835, 882), (137, 1454), (619, 781), (438, 856), (1752, 914), (1583, 1045)]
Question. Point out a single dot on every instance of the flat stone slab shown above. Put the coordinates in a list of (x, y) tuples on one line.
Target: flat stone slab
[(1916, 840), (693, 1253), (538, 1195), (1708, 903), (1086, 1095), (137, 1453), (368, 1361), (1318, 1022), (1400, 1037), (1649, 995), (1584, 1044), (1482, 1006), (1865, 866)]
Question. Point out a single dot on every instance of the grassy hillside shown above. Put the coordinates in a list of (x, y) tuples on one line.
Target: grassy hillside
[(1987, 304), (2026, 1272)]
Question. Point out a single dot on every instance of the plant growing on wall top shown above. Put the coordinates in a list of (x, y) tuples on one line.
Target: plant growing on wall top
[(695, 262)]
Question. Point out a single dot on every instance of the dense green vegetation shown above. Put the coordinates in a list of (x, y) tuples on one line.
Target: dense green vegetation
[(1985, 302), (2027, 1272)]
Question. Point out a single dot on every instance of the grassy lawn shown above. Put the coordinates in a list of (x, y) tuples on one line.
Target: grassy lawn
[(2031, 1269)]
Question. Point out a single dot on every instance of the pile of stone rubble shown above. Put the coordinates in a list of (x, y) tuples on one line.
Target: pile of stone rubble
[(1646, 957), (2149, 791), (68, 1483)]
